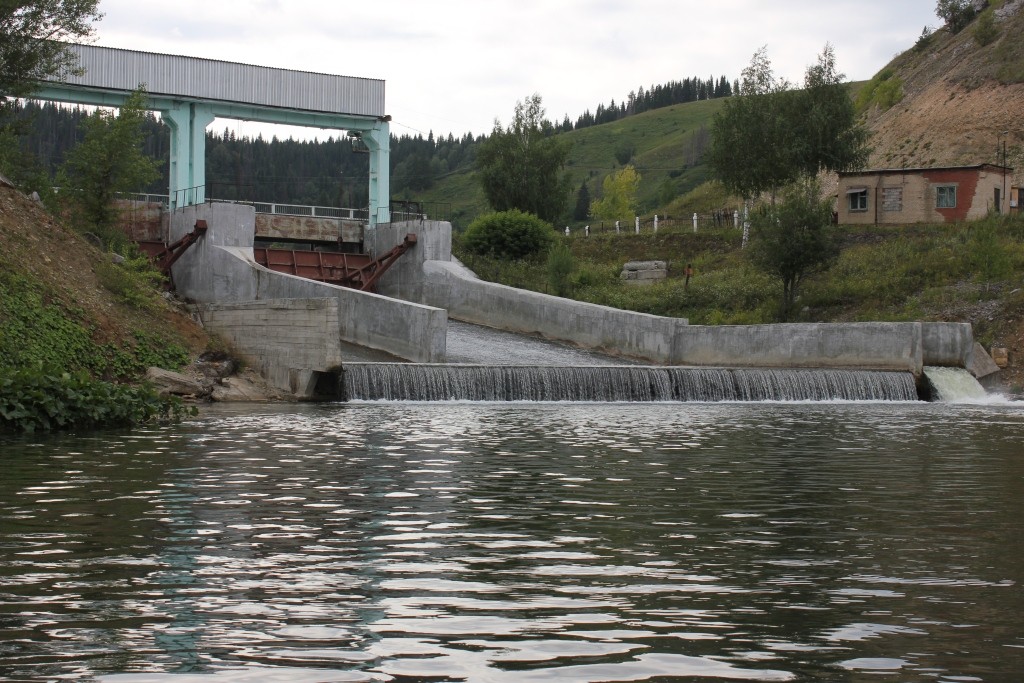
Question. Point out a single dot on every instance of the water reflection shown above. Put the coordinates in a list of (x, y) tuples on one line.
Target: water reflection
[(488, 542)]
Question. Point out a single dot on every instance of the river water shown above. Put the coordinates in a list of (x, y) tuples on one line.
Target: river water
[(520, 542)]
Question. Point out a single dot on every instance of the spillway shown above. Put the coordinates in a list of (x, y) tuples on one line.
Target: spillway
[(599, 383)]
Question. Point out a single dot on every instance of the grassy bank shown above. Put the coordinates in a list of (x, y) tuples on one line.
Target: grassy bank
[(76, 325), (964, 272)]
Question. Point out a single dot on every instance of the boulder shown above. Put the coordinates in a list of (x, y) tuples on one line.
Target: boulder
[(167, 383)]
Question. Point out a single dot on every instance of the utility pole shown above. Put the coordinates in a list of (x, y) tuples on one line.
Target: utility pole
[(1003, 197)]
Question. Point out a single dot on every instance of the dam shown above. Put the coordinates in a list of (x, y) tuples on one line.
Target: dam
[(309, 337)]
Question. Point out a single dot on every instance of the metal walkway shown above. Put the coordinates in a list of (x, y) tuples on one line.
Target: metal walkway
[(189, 93)]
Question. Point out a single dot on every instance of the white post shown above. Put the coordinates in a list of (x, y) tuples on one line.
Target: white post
[(638, 225), (616, 227), (695, 222), (735, 218), (746, 225), (567, 231), (655, 222)]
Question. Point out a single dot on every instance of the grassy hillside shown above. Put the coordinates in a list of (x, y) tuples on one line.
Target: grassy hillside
[(665, 142), (65, 306), (953, 98)]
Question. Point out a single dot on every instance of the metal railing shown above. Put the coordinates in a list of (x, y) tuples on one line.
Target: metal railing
[(398, 211)]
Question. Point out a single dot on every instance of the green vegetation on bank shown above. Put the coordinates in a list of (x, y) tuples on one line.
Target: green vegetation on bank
[(40, 330), (43, 400), (882, 273)]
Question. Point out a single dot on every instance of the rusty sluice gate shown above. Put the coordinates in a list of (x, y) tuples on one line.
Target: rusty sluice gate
[(164, 256), (356, 271)]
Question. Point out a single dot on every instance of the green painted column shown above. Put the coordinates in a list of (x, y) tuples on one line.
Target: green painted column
[(378, 140), (188, 122)]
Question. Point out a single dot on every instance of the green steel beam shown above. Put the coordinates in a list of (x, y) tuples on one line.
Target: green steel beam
[(189, 118)]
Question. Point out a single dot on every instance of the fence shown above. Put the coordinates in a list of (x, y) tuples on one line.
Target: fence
[(398, 210), (718, 220)]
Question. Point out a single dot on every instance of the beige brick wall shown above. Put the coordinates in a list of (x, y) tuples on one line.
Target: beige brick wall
[(902, 197)]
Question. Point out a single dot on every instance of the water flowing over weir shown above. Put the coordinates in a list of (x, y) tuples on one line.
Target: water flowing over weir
[(430, 382)]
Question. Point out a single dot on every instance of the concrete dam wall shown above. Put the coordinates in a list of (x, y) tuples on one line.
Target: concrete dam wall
[(409, 317), (430, 276)]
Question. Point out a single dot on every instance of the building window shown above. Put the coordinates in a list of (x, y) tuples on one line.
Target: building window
[(892, 199), (858, 198), (945, 197)]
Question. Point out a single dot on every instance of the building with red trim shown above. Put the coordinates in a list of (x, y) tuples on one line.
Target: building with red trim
[(924, 195)]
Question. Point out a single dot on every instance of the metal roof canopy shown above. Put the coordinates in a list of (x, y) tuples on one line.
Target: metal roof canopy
[(190, 92)]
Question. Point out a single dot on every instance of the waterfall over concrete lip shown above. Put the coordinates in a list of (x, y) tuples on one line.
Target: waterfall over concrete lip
[(957, 385), (617, 383)]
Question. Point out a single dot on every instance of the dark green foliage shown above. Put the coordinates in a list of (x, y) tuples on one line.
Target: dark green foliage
[(33, 41), (624, 152), (772, 135), (794, 238), (924, 40), (582, 209), (107, 161), (655, 97), (985, 30), (989, 259), (560, 265), (45, 400), (38, 332), (508, 235), (884, 90), (134, 280), (521, 167), (956, 13)]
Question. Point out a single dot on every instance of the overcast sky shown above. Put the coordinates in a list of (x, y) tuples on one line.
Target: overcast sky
[(453, 66)]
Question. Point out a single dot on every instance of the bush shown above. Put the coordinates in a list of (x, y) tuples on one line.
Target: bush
[(956, 13), (560, 264), (885, 90), (508, 235), (41, 400), (985, 31)]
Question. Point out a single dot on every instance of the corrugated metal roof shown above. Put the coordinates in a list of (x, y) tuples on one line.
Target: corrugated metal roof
[(209, 79)]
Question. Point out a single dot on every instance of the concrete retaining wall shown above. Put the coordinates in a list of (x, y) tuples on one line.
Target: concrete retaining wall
[(220, 268), (877, 346), (294, 339), (671, 341), (625, 333)]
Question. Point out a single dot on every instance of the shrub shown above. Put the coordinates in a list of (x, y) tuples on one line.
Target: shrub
[(985, 30), (956, 13), (560, 264), (884, 90), (509, 234), (41, 400)]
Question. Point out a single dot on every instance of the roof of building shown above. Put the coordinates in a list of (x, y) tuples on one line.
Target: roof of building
[(887, 171), (209, 79)]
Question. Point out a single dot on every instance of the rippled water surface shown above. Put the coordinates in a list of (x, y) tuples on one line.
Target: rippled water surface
[(521, 542)]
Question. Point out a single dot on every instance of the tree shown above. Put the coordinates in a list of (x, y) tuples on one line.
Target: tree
[(772, 135), (752, 134), (582, 210), (521, 167), (828, 136), (956, 13), (107, 161), (618, 195), (794, 238), (33, 41)]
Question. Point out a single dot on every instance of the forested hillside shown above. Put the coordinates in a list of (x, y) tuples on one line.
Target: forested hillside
[(333, 172)]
